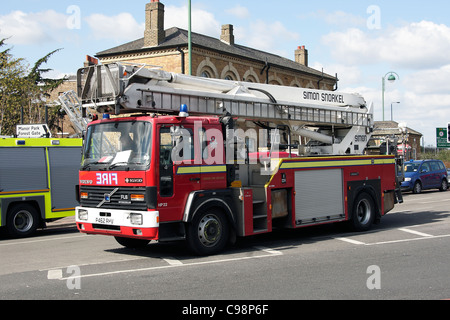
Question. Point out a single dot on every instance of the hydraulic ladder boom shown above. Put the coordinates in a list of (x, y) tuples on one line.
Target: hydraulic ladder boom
[(336, 123)]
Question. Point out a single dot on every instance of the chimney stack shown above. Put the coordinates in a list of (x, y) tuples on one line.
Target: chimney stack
[(154, 33), (227, 35), (301, 56)]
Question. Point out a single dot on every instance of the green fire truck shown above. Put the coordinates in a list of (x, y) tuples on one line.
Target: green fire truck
[(37, 182)]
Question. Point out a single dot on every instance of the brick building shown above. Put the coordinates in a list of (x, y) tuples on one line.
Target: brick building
[(215, 58)]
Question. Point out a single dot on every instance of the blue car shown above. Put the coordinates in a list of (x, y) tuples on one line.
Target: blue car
[(425, 174)]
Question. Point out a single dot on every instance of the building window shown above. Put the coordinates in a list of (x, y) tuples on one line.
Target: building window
[(205, 74)]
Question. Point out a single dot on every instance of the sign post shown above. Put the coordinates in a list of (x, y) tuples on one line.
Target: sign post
[(442, 139)]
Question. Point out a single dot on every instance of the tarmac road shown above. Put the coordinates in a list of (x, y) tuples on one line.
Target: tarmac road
[(406, 257)]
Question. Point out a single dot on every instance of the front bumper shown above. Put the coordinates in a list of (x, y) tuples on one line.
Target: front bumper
[(120, 223)]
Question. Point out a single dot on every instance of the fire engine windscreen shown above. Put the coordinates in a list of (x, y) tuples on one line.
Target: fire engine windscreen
[(118, 146)]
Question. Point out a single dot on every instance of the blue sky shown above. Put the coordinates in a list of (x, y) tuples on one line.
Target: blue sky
[(361, 41)]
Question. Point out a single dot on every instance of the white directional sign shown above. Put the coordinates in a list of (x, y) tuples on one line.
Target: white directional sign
[(33, 131)]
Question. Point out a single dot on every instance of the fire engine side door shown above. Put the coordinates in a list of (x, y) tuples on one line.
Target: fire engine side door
[(178, 175), (214, 169)]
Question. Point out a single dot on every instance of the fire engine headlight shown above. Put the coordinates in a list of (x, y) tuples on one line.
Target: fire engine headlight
[(82, 215), (136, 219)]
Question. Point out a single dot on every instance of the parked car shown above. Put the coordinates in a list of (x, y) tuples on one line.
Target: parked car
[(425, 174)]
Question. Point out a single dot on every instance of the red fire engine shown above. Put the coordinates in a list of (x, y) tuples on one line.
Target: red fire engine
[(238, 159)]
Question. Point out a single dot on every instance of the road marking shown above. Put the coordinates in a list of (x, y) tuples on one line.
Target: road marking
[(415, 232), (407, 240), (270, 253), (351, 241), (55, 274), (40, 240), (172, 261), (429, 202)]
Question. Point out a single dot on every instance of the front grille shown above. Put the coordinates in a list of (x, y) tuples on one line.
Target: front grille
[(119, 200)]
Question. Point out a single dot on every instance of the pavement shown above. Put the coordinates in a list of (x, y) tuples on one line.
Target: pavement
[(62, 223)]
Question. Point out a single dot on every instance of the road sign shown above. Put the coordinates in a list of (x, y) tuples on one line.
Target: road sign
[(33, 131), (442, 138)]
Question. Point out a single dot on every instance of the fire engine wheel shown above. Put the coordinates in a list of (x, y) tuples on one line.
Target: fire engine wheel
[(22, 220), (208, 233), (363, 213)]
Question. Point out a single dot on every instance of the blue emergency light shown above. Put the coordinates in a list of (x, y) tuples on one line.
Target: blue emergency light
[(184, 111)]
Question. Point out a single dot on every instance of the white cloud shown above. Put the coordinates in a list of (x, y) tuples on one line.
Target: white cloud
[(429, 81), (34, 28), (419, 45), (338, 18), (267, 36), (122, 27), (239, 11), (203, 21)]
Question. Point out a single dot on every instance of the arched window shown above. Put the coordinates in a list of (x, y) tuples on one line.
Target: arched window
[(205, 74)]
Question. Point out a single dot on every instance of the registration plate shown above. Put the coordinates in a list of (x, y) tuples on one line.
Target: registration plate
[(103, 220)]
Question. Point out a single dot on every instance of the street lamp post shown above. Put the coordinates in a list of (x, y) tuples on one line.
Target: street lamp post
[(392, 113), (392, 78), (190, 36)]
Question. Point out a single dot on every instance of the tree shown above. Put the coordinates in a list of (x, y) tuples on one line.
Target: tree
[(24, 93), (39, 92), (12, 88)]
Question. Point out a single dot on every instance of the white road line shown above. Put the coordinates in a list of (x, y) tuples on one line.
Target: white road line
[(271, 254), (172, 261), (55, 274), (408, 240), (95, 263), (351, 241), (271, 251), (39, 240), (416, 232), (428, 202)]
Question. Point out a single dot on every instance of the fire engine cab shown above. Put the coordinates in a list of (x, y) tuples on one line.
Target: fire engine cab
[(176, 157)]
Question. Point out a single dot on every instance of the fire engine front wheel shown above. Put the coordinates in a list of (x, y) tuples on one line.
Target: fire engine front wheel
[(22, 220), (363, 213), (208, 233)]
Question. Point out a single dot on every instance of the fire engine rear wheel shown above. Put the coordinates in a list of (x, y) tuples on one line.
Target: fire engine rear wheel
[(363, 212), (132, 243), (22, 220), (208, 233)]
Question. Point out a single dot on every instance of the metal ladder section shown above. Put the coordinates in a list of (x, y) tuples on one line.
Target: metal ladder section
[(253, 109), (118, 88), (74, 110)]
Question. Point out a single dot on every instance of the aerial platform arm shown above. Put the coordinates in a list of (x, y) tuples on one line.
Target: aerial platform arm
[(335, 123)]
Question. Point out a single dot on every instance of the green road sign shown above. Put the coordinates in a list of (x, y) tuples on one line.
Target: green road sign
[(441, 138)]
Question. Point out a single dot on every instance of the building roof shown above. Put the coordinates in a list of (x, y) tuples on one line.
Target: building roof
[(390, 128), (176, 37)]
